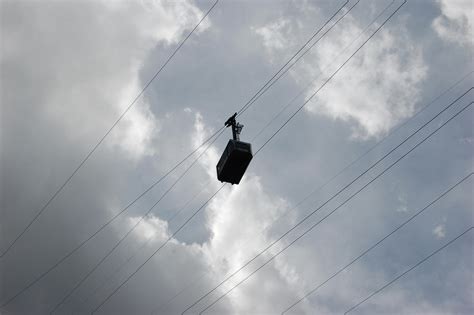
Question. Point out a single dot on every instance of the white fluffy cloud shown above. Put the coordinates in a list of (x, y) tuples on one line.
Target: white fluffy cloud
[(376, 90), (379, 87), (455, 24), (275, 35)]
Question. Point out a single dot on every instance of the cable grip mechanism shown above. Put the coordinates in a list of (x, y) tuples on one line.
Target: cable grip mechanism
[(236, 127)]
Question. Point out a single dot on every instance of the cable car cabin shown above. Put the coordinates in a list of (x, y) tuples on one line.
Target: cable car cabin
[(234, 161), (236, 157)]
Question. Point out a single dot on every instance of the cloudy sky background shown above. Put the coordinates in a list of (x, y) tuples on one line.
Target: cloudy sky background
[(69, 68)]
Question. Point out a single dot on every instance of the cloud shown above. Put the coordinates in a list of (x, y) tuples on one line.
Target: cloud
[(149, 227), (275, 35), (455, 24), (440, 231), (377, 89)]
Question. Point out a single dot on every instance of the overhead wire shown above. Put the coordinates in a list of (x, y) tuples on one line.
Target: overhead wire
[(263, 89), (360, 157), (139, 221), (331, 212), (130, 258), (335, 274), (329, 79), (182, 208), (172, 298), (58, 191), (247, 106), (157, 250), (410, 269), (101, 228), (103, 283), (326, 202), (314, 80)]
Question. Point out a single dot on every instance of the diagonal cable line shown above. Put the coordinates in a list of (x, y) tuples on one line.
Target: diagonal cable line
[(172, 298), (142, 217), (157, 250), (330, 78), (115, 271), (422, 109), (334, 210), (408, 270), (378, 242), (112, 274), (304, 53), (312, 81), (319, 207), (92, 236), (259, 92), (38, 214), (176, 213)]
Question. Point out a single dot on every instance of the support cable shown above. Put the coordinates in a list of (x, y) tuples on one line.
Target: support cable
[(140, 220), (156, 251), (262, 90), (131, 257), (58, 191), (93, 235), (303, 54), (410, 269), (312, 291), (330, 78)]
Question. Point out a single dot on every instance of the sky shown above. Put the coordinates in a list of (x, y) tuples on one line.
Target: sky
[(70, 68)]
